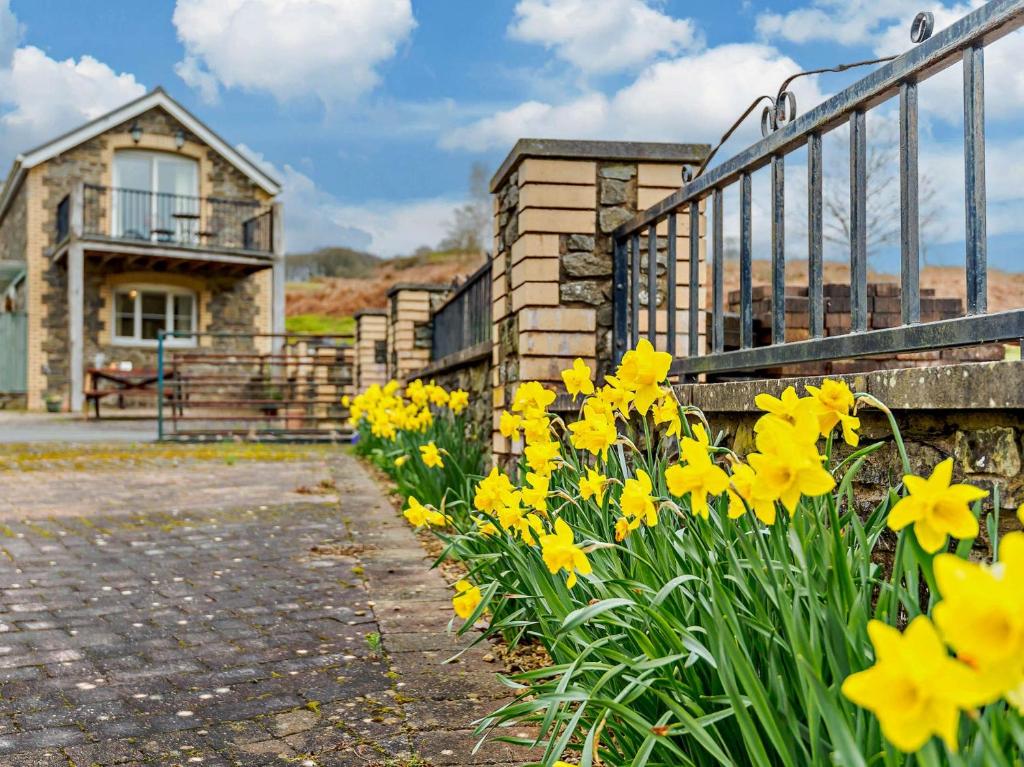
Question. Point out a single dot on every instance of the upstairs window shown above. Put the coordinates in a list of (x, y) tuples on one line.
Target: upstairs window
[(141, 312), (155, 196)]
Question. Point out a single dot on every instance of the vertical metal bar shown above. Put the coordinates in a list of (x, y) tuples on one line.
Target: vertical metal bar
[(778, 249), (746, 254), (974, 179), (652, 284), (815, 237), (634, 290), (910, 258), (694, 309), (858, 221), (717, 276), (160, 385), (670, 278)]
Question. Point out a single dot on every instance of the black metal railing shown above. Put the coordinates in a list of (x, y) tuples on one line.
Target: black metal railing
[(464, 319), (140, 215), (963, 41)]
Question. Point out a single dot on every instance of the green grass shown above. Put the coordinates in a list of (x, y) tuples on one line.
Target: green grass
[(320, 324)]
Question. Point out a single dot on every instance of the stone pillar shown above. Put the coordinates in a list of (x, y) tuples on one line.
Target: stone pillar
[(409, 332), (76, 302), (371, 350), (556, 204), (278, 277)]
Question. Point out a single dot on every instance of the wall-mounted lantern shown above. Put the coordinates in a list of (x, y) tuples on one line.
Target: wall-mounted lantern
[(136, 132), (179, 138)]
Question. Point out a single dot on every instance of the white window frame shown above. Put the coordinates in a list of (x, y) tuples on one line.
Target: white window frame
[(169, 292), (152, 156)]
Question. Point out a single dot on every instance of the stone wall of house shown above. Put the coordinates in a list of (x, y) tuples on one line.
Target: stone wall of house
[(14, 229), (556, 204), (972, 412)]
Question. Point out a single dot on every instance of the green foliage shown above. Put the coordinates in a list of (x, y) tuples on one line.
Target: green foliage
[(320, 324)]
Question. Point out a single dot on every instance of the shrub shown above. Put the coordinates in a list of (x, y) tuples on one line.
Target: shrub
[(702, 608)]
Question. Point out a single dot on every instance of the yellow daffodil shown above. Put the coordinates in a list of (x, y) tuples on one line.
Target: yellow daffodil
[(532, 399), (485, 526), (622, 529), (438, 396), (458, 400), (741, 488), (592, 486), (615, 395), (577, 379), (915, 688), (509, 424), (418, 393), (431, 456), (642, 371), (666, 410), (467, 599), (560, 553), (936, 508), (540, 456), (419, 515), (346, 401), (835, 401), (535, 494), (595, 432), (699, 477), (492, 492), (787, 465), (536, 430), (637, 502), (981, 615), (400, 461), (785, 408)]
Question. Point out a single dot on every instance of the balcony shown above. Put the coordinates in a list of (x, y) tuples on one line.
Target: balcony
[(166, 221)]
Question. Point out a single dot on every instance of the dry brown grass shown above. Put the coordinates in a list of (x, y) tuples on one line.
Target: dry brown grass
[(343, 296)]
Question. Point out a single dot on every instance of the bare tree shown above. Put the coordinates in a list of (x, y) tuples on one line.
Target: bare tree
[(470, 222), (882, 196)]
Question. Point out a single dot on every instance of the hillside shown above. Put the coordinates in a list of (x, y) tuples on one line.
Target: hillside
[(363, 282)]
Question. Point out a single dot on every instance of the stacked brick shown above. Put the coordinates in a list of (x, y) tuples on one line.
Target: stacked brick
[(884, 311), (408, 327), (556, 205), (371, 352)]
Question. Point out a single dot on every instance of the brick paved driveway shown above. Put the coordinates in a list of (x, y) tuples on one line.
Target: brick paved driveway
[(220, 637)]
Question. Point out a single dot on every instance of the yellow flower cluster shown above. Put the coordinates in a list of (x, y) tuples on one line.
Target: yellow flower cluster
[(388, 410), (915, 688)]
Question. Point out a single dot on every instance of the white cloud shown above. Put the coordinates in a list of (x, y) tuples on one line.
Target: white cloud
[(10, 33), (315, 218), (657, 106), (42, 97), (847, 22), (326, 48), (609, 36)]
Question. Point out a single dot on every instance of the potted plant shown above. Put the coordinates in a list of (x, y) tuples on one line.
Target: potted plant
[(53, 403)]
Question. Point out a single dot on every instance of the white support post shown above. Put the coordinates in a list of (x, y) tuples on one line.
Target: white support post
[(278, 277), (76, 303)]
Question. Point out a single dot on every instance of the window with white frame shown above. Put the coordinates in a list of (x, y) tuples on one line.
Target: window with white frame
[(142, 311)]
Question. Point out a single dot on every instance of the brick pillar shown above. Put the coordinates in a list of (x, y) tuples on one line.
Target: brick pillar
[(408, 330), (555, 206), (371, 348)]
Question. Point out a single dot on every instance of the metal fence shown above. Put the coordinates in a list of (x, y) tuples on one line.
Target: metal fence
[(464, 320), (135, 214), (965, 42), (281, 387)]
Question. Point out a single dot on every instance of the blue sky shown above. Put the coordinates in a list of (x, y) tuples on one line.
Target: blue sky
[(373, 111)]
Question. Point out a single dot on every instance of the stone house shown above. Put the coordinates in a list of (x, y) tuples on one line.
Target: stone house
[(140, 221)]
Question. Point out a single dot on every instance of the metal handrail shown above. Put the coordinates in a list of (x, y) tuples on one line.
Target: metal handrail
[(964, 41), (464, 319)]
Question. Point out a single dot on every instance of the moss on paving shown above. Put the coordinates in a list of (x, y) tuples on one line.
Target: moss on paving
[(38, 457)]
